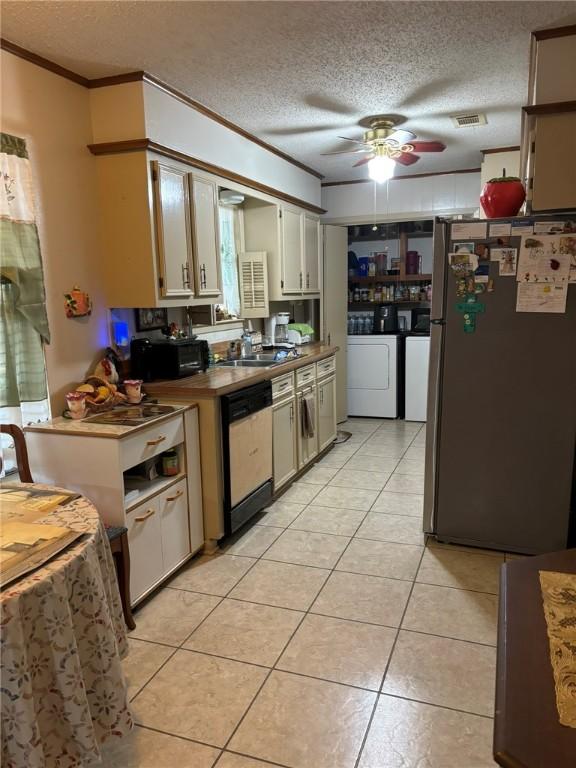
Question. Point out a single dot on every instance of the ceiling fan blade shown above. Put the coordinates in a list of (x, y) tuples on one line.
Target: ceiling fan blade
[(356, 141), (402, 137), (363, 161), (428, 146), (299, 129), (347, 151), (407, 158)]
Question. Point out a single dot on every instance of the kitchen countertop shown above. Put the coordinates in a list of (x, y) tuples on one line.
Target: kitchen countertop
[(220, 381), (79, 427)]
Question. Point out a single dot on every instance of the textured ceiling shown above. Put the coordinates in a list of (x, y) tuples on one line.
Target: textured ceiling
[(297, 74)]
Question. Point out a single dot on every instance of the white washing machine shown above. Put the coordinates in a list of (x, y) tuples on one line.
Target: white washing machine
[(416, 377), (373, 375)]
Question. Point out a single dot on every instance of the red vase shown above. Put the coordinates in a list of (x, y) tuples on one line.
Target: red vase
[(501, 199)]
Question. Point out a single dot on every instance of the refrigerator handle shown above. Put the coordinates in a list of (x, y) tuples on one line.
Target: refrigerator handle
[(437, 322)]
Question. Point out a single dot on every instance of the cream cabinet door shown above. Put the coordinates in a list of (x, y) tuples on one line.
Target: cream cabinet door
[(291, 235), (144, 540), (284, 451), (307, 446), (206, 236), (311, 275), (173, 231), (173, 508), (326, 413)]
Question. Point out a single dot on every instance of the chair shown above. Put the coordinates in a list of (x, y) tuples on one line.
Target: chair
[(21, 452), (118, 537)]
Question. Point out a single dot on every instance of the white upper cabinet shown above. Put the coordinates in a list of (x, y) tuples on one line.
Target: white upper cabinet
[(292, 251), (291, 239), (159, 232), (173, 233), (311, 261), (206, 236)]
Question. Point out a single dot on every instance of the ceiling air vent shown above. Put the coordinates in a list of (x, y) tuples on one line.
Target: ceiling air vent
[(468, 119)]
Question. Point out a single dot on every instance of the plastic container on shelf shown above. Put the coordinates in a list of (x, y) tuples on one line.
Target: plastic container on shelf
[(363, 266), (413, 263)]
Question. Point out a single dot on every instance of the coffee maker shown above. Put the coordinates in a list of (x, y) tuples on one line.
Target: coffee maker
[(386, 319), (275, 326)]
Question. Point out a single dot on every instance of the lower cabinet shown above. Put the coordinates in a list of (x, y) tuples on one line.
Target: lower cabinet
[(284, 449), (307, 446), (144, 536), (326, 400), (174, 525)]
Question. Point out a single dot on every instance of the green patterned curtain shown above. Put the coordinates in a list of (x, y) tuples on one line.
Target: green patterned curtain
[(23, 319)]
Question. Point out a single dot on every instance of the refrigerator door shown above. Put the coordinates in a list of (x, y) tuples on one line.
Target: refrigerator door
[(506, 424), (439, 270)]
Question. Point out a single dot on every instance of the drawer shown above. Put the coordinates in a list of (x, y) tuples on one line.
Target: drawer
[(325, 367), (151, 441), (282, 386), (305, 375)]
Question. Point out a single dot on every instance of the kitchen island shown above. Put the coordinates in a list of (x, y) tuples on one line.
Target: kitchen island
[(310, 375)]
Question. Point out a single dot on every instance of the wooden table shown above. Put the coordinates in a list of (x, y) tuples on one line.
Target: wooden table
[(527, 732)]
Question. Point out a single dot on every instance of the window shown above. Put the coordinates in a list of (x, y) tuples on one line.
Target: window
[(229, 262)]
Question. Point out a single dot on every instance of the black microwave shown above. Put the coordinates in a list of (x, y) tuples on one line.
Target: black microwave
[(168, 358)]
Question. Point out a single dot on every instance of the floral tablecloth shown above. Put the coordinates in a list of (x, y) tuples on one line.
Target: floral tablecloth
[(63, 637)]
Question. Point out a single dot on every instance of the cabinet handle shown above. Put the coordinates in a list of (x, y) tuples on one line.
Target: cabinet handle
[(307, 279), (157, 441), (203, 281), (185, 276), (176, 496), (329, 337), (145, 516), (321, 396), (300, 279), (291, 412)]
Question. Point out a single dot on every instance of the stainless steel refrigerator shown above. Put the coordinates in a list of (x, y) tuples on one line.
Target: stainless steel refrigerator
[(501, 431)]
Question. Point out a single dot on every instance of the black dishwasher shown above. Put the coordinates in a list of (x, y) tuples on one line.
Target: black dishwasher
[(247, 453)]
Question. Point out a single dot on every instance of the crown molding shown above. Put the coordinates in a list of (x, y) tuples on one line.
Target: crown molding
[(401, 178), (142, 145), (547, 34), (141, 76), (40, 61), (497, 150), (553, 108)]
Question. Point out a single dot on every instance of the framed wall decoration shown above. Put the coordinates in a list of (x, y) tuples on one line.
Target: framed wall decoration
[(151, 319)]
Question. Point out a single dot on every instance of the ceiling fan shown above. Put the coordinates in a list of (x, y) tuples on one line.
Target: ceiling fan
[(384, 146)]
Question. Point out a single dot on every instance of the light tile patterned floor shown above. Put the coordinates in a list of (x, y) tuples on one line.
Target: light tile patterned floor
[(325, 636)]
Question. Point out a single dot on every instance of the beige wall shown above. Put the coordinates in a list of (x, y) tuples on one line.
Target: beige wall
[(53, 115)]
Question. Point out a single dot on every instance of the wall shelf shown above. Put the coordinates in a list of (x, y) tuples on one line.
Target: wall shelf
[(363, 306), (389, 279)]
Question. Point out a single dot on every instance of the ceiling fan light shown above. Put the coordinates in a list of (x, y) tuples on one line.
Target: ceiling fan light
[(381, 169)]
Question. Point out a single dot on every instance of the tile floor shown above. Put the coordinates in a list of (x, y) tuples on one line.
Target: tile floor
[(326, 636)]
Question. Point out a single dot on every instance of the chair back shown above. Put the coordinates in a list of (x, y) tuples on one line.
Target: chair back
[(21, 451)]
